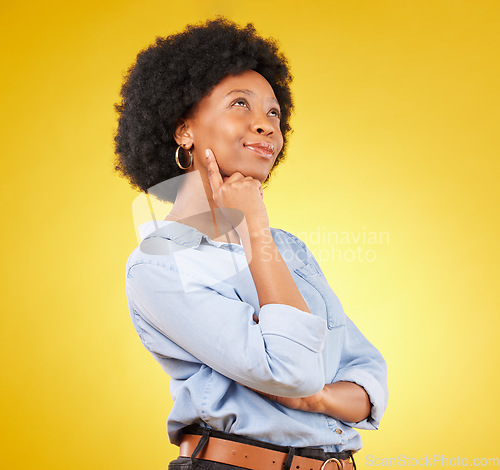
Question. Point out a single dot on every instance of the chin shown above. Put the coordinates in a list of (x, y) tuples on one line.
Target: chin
[(261, 178), (258, 175)]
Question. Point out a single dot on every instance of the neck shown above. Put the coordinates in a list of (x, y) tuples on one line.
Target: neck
[(194, 204)]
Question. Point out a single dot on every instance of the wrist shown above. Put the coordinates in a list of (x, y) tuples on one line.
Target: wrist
[(320, 406), (260, 232), (315, 403), (255, 232)]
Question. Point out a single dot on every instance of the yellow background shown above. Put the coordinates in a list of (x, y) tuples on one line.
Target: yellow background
[(396, 130)]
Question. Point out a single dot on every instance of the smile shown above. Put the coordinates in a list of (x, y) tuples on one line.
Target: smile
[(266, 151)]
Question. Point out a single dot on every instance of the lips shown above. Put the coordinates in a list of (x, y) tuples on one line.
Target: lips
[(264, 149)]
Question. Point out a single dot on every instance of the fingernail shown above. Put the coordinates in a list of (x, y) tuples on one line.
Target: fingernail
[(207, 154)]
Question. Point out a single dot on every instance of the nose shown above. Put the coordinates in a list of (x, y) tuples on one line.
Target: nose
[(261, 124)]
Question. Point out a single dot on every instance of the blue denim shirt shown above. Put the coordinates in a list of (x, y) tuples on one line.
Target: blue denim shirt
[(192, 299)]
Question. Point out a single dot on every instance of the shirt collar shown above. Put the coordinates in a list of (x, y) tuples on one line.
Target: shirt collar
[(180, 233)]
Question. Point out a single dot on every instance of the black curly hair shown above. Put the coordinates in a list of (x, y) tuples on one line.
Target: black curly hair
[(171, 76)]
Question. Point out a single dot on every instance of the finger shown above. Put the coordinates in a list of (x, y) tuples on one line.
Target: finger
[(236, 176), (214, 176)]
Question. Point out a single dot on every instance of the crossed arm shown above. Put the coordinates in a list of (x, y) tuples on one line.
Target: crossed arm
[(345, 401)]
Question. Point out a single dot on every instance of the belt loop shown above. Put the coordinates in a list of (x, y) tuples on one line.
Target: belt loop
[(199, 447), (289, 458)]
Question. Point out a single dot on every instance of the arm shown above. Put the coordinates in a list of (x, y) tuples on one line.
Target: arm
[(358, 395), (345, 401), (273, 280), (361, 363), (279, 355)]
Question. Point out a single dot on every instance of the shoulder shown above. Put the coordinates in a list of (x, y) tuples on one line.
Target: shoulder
[(288, 241), (161, 244), (154, 251), (288, 238), (282, 234)]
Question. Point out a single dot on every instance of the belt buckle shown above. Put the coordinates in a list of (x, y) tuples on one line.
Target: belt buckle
[(326, 462)]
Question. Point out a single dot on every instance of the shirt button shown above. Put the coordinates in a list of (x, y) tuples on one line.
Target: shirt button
[(338, 431)]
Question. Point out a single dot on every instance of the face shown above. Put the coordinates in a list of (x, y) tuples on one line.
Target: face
[(240, 121)]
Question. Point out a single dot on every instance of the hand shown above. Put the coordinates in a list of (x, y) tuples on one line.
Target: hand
[(345, 401), (313, 403), (237, 191)]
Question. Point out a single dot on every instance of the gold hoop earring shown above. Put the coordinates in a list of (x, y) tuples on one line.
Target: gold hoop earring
[(179, 163), (268, 181)]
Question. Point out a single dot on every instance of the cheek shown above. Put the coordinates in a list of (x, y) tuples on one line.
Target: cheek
[(223, 136), (230, 126), (216, 133), (281, 140), (227, 133)]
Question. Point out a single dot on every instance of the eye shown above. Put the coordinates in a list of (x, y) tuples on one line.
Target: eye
[(277, 112), (240, 100)]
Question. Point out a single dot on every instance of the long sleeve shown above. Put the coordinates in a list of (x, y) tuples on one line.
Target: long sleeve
[(279, 355), (363, 364)]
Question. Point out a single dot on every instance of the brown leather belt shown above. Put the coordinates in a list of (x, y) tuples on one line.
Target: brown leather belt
[(253, 457)]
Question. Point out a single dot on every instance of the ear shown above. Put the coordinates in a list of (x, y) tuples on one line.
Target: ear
[(183, 134)]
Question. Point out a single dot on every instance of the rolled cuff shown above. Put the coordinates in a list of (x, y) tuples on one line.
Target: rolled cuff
[(304, 328)]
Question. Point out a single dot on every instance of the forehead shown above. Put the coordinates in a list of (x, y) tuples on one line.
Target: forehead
[(248, 80)]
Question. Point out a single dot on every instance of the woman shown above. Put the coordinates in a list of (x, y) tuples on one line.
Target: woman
[(267, 370)]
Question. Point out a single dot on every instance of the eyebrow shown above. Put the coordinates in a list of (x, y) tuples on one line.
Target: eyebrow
[(251, 93)]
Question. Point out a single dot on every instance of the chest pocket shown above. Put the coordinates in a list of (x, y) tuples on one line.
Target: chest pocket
[(334, 312)]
